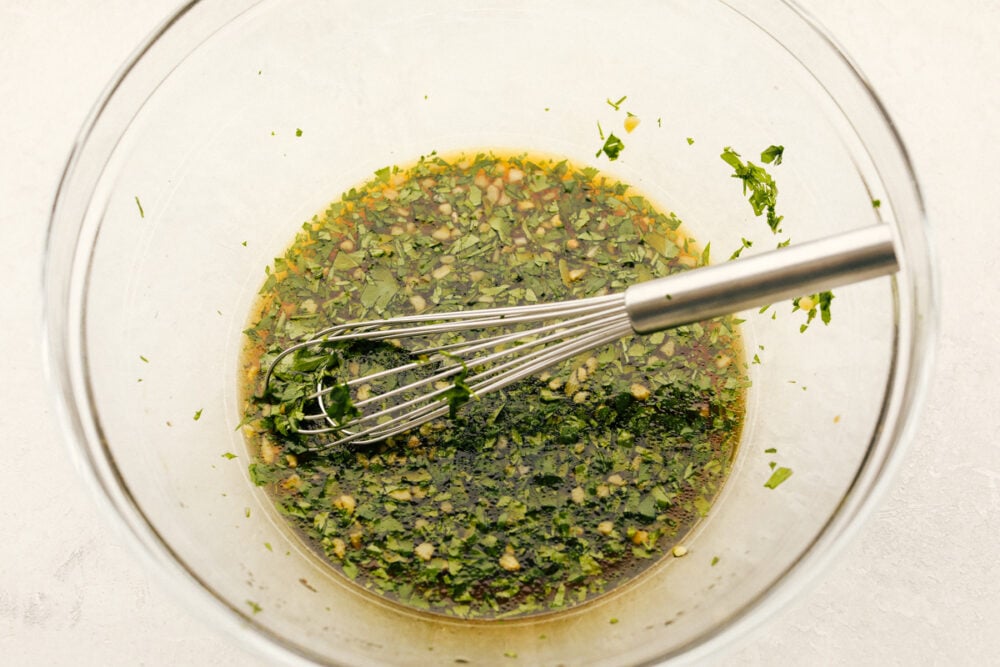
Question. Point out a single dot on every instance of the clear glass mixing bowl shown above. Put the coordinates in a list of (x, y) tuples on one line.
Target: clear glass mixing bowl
[(238, 120)]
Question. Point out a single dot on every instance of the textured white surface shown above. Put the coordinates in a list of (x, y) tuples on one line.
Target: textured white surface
[(919, 586)]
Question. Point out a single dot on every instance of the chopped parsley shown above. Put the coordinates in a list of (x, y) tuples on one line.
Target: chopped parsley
[(298, 132), (876, 203), (612, 147), (617, 105), (745, 243), (763, 195), (814, 304), (458, 394), (339, 406), (254, 607), (197, 415), (763, 192), (777, 477), (544, 494), (142, 214), (229, 455), (772, 154)]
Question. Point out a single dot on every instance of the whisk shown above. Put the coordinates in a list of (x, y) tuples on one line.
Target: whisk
[(507, 351)]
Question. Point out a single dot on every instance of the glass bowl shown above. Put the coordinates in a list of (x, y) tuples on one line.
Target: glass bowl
[(236, 121)]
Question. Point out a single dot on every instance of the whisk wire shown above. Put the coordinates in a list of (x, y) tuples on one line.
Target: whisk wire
[(577, 326), (426, 407)]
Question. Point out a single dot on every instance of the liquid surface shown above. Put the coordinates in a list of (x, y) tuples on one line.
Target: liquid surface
[(547, 493)]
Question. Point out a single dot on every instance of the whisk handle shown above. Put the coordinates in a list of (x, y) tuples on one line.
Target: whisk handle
[(794, 271)]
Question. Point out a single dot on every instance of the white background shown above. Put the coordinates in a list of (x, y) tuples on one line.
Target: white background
[(919, 586)]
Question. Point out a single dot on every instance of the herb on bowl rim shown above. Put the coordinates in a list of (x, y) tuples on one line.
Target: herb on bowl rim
[(763, 195), (761, 186), (779, 476)]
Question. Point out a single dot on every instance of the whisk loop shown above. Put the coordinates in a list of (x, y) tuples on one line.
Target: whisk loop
[(446, 374)]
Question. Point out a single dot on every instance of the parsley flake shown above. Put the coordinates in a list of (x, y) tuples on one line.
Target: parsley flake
[(229, 455), (339, 406), (745, 243), (612, 147), (143, 359), (298, 132), (814, 304), (459, 393), (142, 214), (777, 477), (763, 191), (772, 154), (616, 105), (197, 415), (254, 607)]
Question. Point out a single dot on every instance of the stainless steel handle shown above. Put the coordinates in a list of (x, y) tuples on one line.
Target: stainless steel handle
[(799, 270)]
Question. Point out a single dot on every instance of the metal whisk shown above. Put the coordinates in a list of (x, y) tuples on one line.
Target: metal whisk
[(507, 351)]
